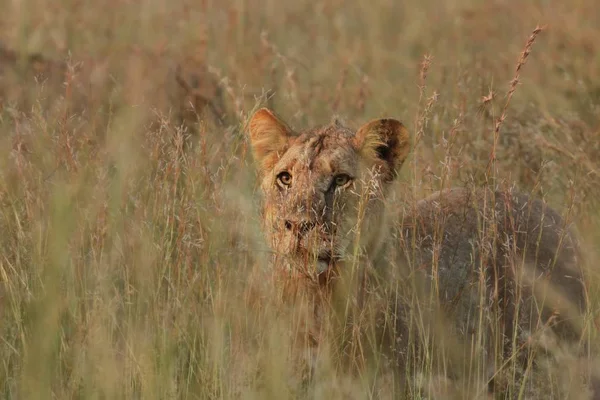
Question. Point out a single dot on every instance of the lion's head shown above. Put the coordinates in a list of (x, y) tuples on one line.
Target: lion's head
[(323, 187)]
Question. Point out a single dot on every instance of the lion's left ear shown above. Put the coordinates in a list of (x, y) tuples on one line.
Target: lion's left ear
[(384, 142), (269, 138)]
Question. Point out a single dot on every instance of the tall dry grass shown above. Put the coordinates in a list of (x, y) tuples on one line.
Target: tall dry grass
[(132, 262)]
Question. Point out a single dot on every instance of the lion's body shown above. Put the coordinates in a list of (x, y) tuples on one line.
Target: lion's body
[(494, 253)]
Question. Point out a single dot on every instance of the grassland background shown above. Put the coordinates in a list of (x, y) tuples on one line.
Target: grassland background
[(131, 258)]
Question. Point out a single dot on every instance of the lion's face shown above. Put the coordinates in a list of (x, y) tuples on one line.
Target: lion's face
[(322, 186)]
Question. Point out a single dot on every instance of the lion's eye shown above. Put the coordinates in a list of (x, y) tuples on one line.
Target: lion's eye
[(284, 179), (341, 180)]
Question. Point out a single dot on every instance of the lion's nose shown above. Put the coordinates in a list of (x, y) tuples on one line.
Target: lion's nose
[(301, 227)]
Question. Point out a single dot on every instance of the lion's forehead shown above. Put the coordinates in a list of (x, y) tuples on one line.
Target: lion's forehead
[(320, 153)]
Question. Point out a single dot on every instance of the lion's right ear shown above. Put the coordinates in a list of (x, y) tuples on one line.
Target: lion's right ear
[(268, 138), (384, 142)]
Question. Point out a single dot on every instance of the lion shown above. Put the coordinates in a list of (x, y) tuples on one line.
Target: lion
[(326, 211), (185, 88)]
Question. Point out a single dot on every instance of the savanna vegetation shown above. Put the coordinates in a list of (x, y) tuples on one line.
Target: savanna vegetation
[(132, 263)]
